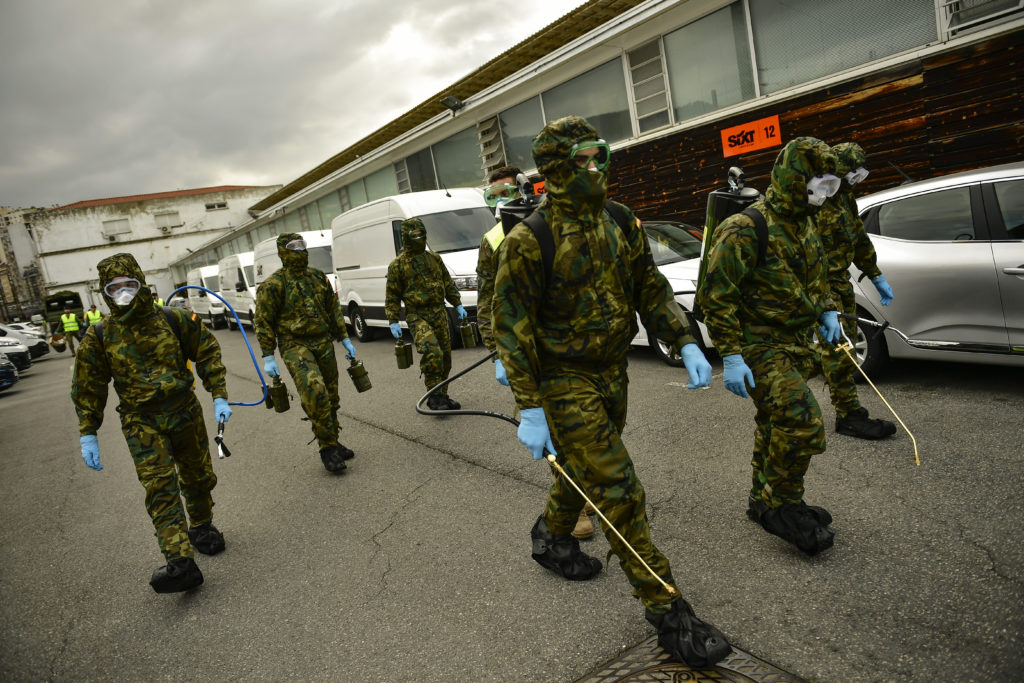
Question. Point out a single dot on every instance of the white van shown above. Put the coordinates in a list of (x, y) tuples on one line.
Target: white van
[(208, 308), (318, 245), (367, 238), (238, 286)]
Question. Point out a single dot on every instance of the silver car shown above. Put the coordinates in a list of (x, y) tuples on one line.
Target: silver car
[(953, 250)]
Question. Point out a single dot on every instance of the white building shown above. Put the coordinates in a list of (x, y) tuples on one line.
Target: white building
[(155, 228)]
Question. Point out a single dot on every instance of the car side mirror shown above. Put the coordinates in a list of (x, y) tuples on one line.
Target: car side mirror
[(239, 286)]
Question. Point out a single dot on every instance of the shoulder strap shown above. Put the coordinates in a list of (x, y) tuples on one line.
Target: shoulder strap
[(618, 213), (761, 230), (538, 225)]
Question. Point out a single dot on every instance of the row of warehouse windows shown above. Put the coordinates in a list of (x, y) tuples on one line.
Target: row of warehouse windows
[(748, 49)]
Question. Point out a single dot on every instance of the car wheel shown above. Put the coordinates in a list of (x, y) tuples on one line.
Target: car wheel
[(870, 348), (364, 332), (664, 352)]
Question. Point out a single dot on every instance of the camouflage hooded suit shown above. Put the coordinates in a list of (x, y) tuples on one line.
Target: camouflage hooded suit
[(564, 341), (420, 279), (298, 312), (845, 241), (768, 314), (160, 415)]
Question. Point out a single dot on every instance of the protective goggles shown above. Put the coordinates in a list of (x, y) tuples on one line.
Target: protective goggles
[(856, 176), (502, 192), (296, 245), (596, 151), (120, 283)]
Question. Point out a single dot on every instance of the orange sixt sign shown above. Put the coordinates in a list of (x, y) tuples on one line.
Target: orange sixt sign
[(760, 134)]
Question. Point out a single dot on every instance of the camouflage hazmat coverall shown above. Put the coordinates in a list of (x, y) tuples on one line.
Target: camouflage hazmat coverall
[(420, 279), (768, 314), (845, 241), (161, 418), (486, 269), (564, 344), (297, 311)]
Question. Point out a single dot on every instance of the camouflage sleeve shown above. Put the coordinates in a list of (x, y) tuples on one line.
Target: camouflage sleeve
[(484, 292), (393, 294), (202, 348), (652, 295), (265, 320), (732, 254), (335, 315), (450, 292), (518, 294), (89, 383), (864, 256)]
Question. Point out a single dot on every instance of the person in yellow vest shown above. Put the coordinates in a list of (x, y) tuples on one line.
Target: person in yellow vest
[(92, 316), (157, 300), (69, 325)]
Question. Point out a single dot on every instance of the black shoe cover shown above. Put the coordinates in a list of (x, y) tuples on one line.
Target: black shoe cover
[(755, 508), (333, 462), (798, 524), (180, 574), (346, 453), (858, 424), (437, 402), (562, 554), (688, 639), (206, 539), (452, 404)]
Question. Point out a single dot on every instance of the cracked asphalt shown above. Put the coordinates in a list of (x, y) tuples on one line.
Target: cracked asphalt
[(414, 565)]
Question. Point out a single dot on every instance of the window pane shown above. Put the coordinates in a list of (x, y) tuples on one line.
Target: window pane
[(643, 53), (1011, 203), (833, 36), (292, 222), (709, 63), (421, 171), (458, 160), (599, 96), (356, 193), (653, 121), (648, 70), (519, 125), (650, 105), (381, 183), (329, 207), (937, 217), (312, 217), (651, 87)]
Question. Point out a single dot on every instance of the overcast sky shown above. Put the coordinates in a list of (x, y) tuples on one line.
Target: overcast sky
[(103, 98)]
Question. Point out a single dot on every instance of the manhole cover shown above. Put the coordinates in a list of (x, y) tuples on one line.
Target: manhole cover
[(647, 662)]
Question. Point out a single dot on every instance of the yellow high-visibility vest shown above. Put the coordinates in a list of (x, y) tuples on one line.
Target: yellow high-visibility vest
[(93, 317), (70, 322)]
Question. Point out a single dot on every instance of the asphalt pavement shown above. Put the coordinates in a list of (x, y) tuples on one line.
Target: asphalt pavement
[(414, 565)]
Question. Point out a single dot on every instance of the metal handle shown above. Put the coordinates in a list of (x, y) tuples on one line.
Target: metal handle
[(1014, 271)]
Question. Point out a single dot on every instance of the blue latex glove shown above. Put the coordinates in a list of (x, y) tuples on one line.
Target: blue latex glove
[(221, 409), (884, 290), (91, 451), (737, 375), (461, 311), (270, 366), (499, 372), (396, 330), (347, 343), (697, 366), (829, 329), (534, 434)]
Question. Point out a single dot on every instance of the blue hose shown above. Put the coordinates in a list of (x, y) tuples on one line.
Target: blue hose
[(244, 336)]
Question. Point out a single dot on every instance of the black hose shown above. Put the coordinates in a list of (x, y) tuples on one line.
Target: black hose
[(441, 413)]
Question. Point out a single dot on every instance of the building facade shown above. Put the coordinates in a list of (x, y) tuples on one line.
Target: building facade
[(21, 286)]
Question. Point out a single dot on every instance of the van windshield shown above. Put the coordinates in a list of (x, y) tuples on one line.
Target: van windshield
[(248, 274), (320, 258), (212, 283), (459, 229)]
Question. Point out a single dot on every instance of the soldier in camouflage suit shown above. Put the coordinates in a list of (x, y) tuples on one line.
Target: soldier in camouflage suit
[(297, 310), (846, 241), (762, 320), (420, 279), (146, 355), (563, 340)]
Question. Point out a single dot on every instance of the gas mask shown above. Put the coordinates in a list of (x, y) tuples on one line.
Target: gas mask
[(856, 176), (122, 290), (821, 187)]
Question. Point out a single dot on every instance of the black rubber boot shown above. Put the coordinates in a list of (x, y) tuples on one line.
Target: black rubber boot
[(452, 404), (562, 554), (331, 457), (858, 424), (437, 402), (179, 574), (757, 508), (688, 639), (346, 453), (799, 525), (206, 539)]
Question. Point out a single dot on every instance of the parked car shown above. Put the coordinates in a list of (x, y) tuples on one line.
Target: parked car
[(675, 247), (953, 250), (8, 373), (30, 328), (36, 344), (16, 352)]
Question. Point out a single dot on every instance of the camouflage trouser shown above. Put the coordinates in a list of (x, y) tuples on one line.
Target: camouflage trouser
[(789, 427), (314, 369), (837, 367), (434, 343), (586, 412), (172, 460)]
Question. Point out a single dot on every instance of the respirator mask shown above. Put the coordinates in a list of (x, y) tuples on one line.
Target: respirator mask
[(122, 290), (821, 187), (856, 176)]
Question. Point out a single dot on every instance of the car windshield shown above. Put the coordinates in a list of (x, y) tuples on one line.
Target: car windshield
[(671, 242), (320, 258), (458, 229)]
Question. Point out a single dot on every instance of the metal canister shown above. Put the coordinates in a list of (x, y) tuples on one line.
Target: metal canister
[(278, 393), (403, 354), (468, 332), (359, 377)]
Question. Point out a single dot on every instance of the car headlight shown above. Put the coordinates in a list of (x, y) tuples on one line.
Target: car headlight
[(465, 282), (7, 343)]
